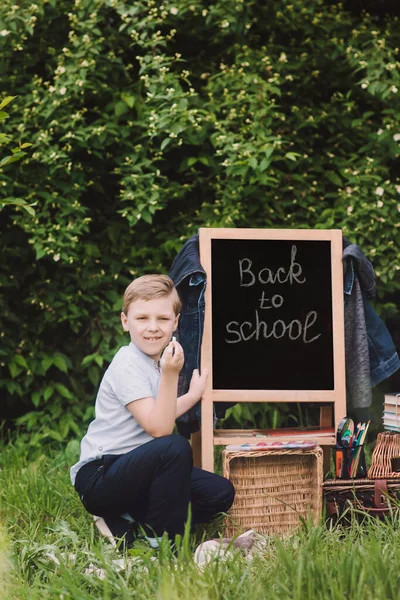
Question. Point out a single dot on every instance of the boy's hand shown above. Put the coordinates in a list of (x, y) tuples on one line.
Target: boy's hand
[(198, 384), (173, 358)]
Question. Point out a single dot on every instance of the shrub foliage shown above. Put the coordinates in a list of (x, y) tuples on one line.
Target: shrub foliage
[(149, 119)]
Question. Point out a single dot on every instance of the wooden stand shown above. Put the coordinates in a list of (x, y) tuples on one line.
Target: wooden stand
[(334, 400)]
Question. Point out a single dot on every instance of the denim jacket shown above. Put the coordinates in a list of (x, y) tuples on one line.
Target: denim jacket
[(370, 353), (369, 350), (190, 281)]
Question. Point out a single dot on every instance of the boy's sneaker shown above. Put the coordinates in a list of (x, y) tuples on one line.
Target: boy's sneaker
[(118, 530), (249, 543)]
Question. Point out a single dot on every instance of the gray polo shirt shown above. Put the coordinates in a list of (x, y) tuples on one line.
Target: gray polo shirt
[(131, 375)]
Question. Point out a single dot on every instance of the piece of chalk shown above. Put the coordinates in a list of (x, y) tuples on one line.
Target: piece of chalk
[(173, 338)]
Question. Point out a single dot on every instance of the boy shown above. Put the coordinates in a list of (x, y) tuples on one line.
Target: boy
[(132, 468)]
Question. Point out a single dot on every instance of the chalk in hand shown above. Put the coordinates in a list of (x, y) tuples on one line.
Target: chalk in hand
[(173, 348)]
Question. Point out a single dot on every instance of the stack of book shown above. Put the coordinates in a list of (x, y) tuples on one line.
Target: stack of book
[(391, 413)]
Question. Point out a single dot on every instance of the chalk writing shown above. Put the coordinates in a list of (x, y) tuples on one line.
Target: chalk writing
[(275, 302), (266, 275), (277, 330)]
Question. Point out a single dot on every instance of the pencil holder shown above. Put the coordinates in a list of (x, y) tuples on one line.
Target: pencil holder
[(349, 462)]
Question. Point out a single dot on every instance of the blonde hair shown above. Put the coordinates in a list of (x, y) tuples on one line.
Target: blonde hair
[(149, 287)]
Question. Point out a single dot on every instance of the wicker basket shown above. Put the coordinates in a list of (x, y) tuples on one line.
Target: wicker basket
[(355, 499), (274, 489), (387, 447)]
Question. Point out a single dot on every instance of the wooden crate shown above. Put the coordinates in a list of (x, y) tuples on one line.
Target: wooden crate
[(275, 489)]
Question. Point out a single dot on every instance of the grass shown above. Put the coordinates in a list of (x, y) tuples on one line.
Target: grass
[(41, 514)]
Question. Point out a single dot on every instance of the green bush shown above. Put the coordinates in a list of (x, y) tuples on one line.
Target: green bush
[(151, 119), (16, 154)]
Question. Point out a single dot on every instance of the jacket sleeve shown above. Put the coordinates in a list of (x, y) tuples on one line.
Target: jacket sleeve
[(358, 378)]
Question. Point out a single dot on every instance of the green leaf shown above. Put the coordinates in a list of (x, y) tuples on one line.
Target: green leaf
[(146, 216), (268, 151), (60, 362), (46, 363), (55, 435), (94, 375), (3, 115), (39, 253), (35, 399), (63, 391), (7, 160), (6, 101), (264, 164), (292, 156), (253, 163), (99, 360), (129, 100), (15, 370), (177, 128), (120, 108), (165, 143), (29, 209), (20, 360), (87, 360), (95, 335), (18, 202), (48, 392), (333, 178)]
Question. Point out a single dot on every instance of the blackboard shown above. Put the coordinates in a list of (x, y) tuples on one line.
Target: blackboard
[(271, 314)]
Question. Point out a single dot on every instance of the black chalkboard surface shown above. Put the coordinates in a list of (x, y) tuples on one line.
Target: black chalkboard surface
[(271, 314)]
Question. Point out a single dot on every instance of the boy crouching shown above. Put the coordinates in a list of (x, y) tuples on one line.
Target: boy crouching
[(132, 468)]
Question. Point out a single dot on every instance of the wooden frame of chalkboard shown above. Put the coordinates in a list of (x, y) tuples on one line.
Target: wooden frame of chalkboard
[(273, 327)]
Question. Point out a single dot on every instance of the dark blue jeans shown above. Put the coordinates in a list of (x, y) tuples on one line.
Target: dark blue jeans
[(155, 484)]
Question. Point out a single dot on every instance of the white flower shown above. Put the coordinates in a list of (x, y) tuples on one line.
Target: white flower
[(380, 131), (397, 188), (283, 57), (56, 257), (379, 204), (349, 210), (394, 89), (379, 191), (364, 86), (62, 91), (4, 32), (173, 10), (396, 137)]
